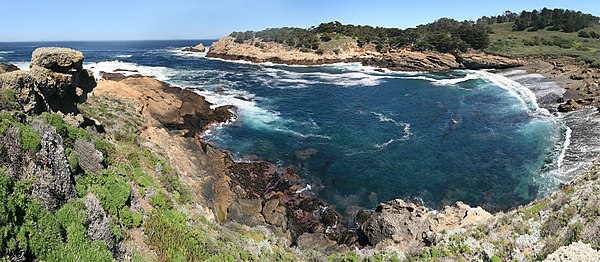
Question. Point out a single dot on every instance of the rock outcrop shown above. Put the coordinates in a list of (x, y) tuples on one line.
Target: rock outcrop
[(89, 158), (99, 223), (577, 251), (56, 82), (227, 48), (57, 59), (5, 68), (410, 226), (408, 60), (403, 59), (53, 184), (481, 60), (199, 48)]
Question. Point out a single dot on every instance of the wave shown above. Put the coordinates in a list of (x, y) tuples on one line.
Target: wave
[(22, 65), (444, 82), (345, 79), (181, 53), (251, 114), (123, 56), (405, 130), (515, 89), (160, 73), (6, 52), (565, 145)]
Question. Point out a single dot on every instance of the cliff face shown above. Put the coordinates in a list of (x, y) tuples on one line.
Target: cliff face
[(404, 59)]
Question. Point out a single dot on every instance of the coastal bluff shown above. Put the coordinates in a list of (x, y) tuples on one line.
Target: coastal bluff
[(402, 59)]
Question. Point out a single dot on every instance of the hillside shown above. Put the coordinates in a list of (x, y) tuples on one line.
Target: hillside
[(544, 43)]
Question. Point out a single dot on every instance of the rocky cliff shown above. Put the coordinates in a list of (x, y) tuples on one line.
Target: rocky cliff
[(403, 59)]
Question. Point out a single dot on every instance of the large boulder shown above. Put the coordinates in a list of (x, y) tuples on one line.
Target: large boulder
[(57, 59), (46, 87)]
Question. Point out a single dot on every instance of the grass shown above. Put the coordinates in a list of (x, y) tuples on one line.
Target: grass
[(544, 43)]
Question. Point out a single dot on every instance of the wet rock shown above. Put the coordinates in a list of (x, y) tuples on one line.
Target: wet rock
[(306, 153), (54, 184), (570, 105), (90, 159), (5, 68), (99, 223), (57, 59)]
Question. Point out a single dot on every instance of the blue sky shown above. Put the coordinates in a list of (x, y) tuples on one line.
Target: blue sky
[(51, 20)]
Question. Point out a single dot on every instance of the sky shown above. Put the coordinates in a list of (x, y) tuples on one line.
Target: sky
[(86, 20)]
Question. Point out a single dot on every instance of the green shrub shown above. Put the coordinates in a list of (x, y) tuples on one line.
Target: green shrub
[(130, 219), (72, 159), (174, 239), (162, 201), (108, 150), (29, 138), (40, 233), (68, 133), (111, 189), (73, 212), (8, 99)]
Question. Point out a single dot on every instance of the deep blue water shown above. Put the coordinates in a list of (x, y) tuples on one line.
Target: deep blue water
[(359, 136)]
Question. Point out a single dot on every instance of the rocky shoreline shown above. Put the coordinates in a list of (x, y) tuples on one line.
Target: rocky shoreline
[(404, 59), (580, 81), (172, 121), (263, 194)]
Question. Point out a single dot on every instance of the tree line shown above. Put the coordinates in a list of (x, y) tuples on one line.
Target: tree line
[(552, 19), (443, 35)]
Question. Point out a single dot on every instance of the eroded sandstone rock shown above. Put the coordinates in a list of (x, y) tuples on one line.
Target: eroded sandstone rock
[(51, 84), (89, 158), (57, 59)]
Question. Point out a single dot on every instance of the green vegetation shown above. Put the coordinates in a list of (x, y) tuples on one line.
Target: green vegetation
[(111, 189), (25, 225), (544, 43), (29, 138), (8, 99), (444, 35)]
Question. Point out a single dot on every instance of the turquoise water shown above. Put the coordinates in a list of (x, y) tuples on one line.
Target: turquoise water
[(360, 136)]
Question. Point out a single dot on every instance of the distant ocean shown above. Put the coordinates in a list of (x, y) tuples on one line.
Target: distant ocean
[(360, 136)]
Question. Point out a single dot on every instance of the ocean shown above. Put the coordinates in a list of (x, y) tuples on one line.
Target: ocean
[(360, 136)]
